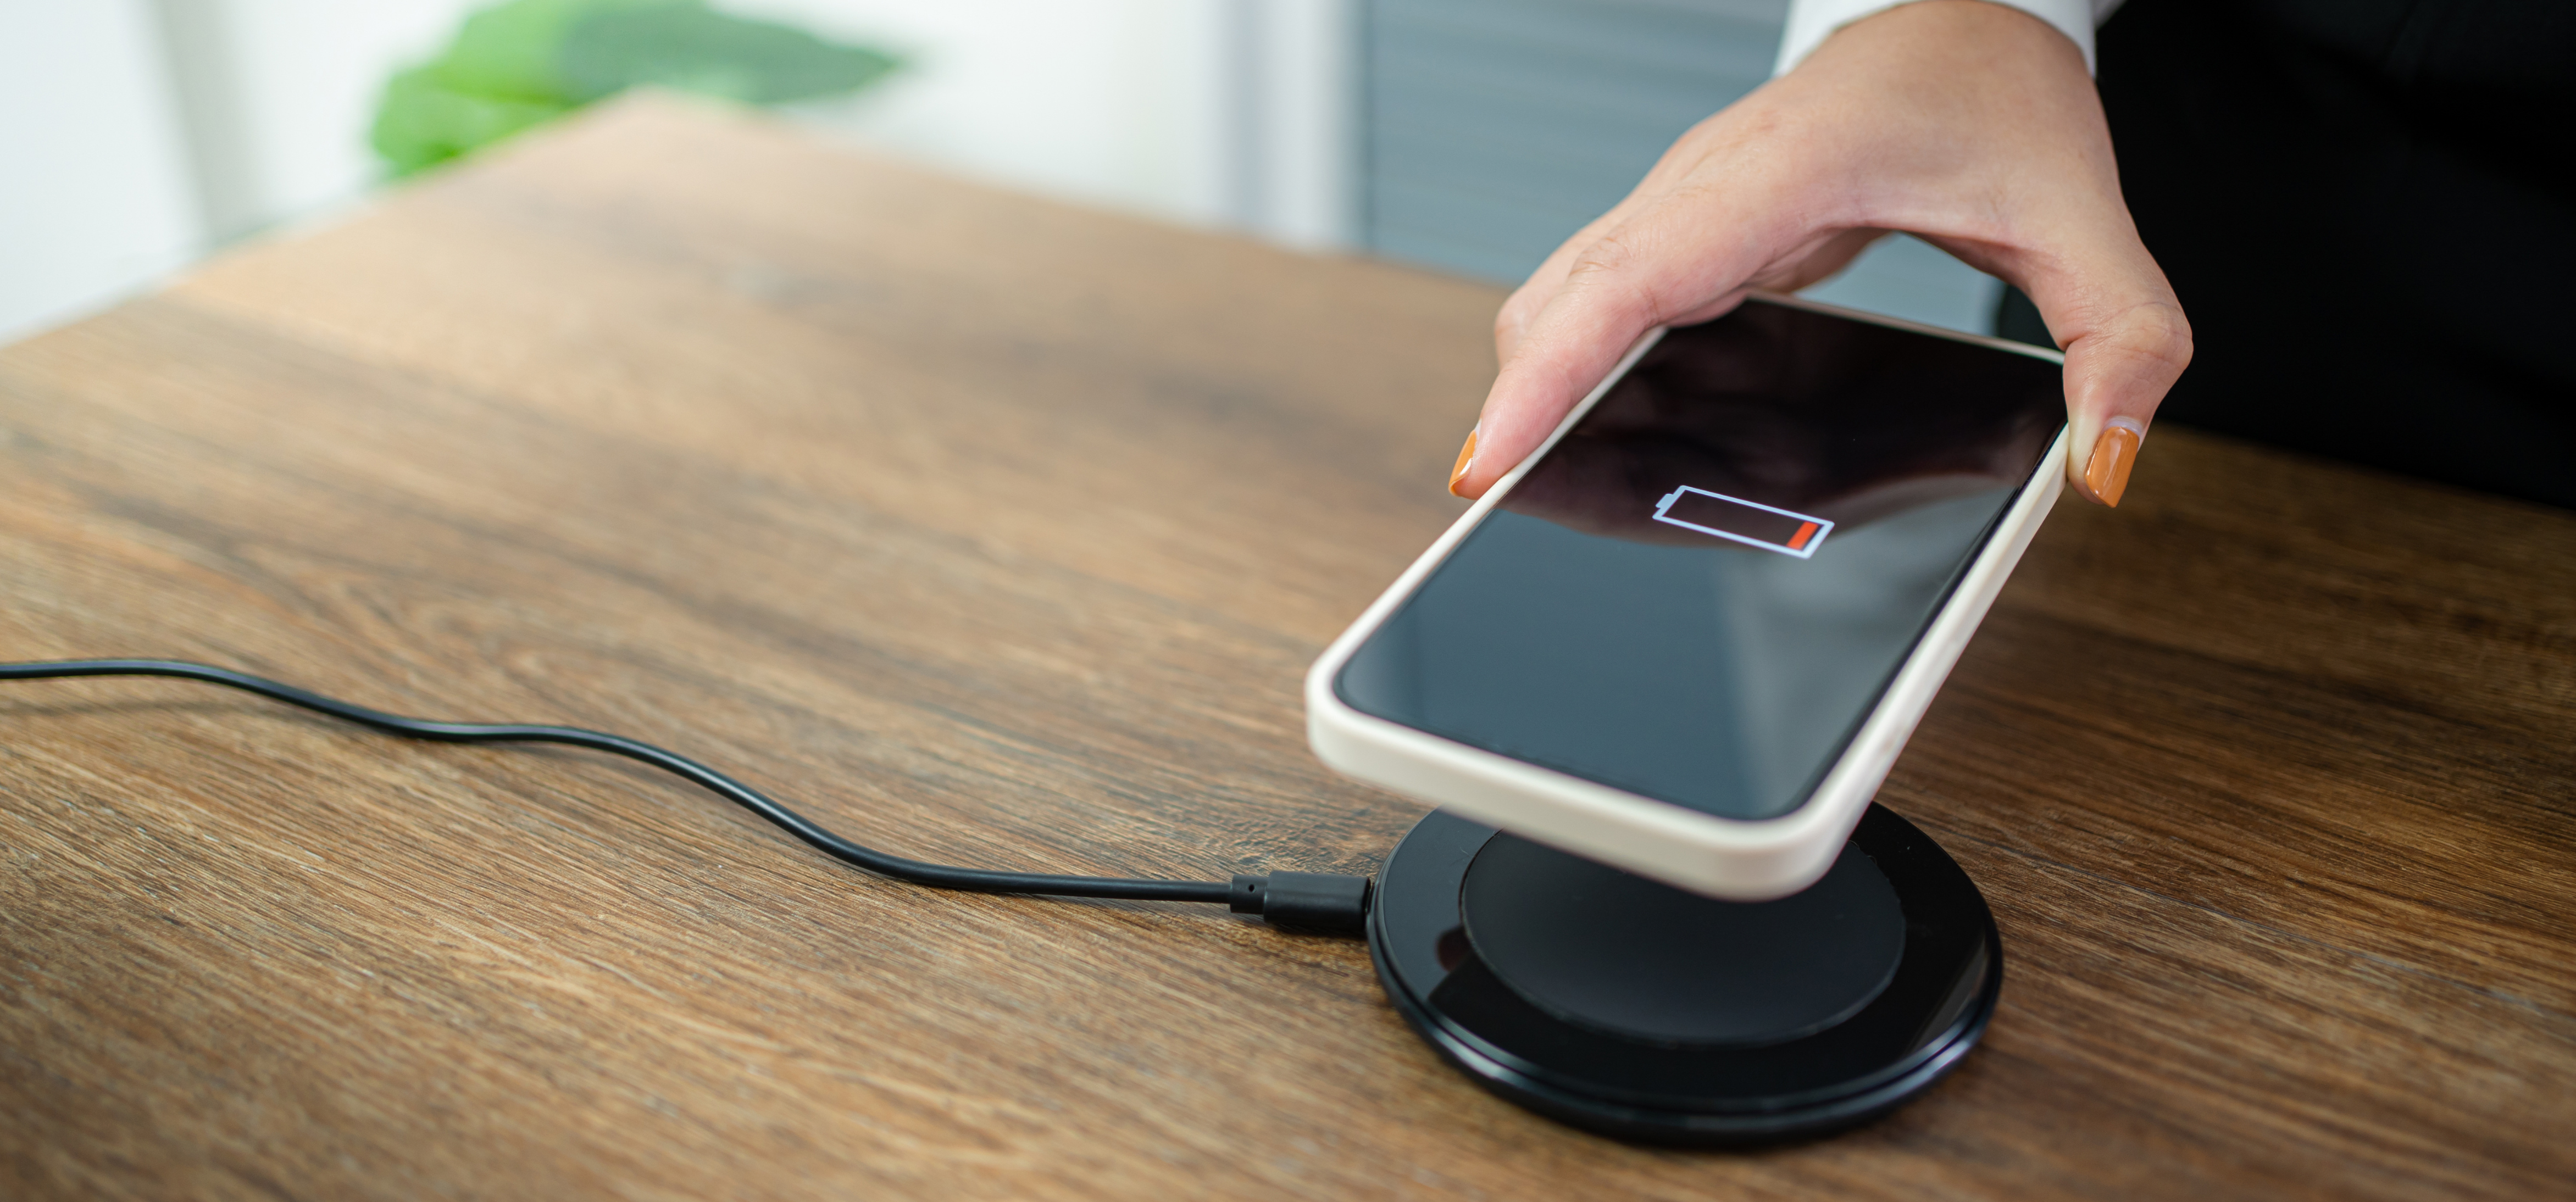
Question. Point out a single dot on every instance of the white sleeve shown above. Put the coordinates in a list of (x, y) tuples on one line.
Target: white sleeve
[(1812, 21)]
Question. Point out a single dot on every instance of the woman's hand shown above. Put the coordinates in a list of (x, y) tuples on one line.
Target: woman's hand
[(1971, 125)]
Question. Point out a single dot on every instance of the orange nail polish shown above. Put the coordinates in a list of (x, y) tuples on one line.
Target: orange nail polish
[(1466, 459), (2114, 453)]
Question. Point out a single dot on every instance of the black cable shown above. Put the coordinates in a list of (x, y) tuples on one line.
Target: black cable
[(1247, 894)]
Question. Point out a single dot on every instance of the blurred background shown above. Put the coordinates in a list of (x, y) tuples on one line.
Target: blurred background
[(1464, 136)]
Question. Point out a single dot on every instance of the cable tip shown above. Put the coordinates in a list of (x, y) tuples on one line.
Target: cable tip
[(1323, 902)]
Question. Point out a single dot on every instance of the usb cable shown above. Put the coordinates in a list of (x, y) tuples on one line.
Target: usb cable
[(1321, 902)]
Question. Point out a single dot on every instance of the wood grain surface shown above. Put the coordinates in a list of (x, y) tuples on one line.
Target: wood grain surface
[(1000, 531)]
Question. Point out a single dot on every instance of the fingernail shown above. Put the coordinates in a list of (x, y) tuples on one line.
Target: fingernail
[(2114, 453), (1466, 459)]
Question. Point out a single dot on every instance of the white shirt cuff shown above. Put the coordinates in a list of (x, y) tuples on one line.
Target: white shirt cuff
[(1812, 21)]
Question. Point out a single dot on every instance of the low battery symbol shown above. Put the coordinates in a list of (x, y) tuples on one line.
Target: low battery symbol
[(1792, 534)]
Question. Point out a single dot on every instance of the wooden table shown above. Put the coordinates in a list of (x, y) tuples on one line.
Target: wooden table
[(999, 531)]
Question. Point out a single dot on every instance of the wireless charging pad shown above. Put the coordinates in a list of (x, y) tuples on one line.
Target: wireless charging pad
[(1631, 1008)]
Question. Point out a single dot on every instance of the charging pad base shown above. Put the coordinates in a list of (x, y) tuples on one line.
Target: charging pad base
[(1641, 1011)]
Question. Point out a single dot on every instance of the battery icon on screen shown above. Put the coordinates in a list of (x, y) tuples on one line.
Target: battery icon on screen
[(1792, 534)]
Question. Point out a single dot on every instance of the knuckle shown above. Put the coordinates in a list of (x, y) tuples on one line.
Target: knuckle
[(1607, 258), (1612, 277), (2158, 332)]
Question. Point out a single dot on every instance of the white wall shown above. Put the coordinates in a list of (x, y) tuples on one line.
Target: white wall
[(94, 193), (137, 134), (276, 96), (1232, 113), (1114, 102)]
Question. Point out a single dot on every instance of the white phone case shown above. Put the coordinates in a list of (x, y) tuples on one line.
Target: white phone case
[(1719, 857)]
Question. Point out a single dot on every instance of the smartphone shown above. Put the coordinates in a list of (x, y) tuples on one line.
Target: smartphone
[(1689, 635)]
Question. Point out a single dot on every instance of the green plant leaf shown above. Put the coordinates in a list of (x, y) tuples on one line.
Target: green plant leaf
[(517, 64), (696, 49), (515, 50), (423, 122)]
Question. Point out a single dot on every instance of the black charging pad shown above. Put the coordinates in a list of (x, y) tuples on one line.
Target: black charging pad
[(1631, 1008)]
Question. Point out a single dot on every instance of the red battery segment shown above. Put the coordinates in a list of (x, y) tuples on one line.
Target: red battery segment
[(1755, 525)]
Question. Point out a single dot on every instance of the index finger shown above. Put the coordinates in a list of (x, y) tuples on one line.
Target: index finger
[(1687, 257)]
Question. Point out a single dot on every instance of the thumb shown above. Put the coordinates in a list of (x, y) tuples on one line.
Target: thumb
[(2126, 342)]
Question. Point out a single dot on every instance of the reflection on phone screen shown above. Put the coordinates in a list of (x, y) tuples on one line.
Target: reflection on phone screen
[(1701, 591)]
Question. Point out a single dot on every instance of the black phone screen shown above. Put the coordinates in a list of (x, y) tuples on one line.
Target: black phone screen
[(1702, 590)]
